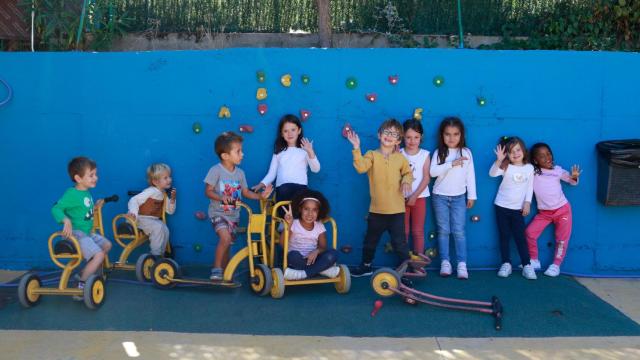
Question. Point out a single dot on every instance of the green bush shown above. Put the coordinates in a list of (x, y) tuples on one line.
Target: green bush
[(576, 25), (57, 21)]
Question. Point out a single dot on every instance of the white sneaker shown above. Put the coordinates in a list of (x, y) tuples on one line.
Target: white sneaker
[(81, 287), (528, 272), (462, 271), (293, 274), (445, 268), (505, 270), (536, 264), (553, 270), (331, 272)]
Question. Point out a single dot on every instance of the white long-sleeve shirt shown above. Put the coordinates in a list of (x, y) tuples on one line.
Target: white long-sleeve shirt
[(290, 166), (454, 181), (153, 193), (516, 186)]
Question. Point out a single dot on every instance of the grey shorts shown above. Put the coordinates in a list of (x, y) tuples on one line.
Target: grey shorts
[(90, 244), (221, 223)]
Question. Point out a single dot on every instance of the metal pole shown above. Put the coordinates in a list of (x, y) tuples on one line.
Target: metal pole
[(84, 10), (461, 45), (33, 14)]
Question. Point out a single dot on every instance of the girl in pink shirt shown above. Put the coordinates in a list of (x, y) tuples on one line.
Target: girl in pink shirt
[(553, 206), (308, 252)]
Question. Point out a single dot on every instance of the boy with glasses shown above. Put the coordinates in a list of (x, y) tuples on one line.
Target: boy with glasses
[(390, 179)]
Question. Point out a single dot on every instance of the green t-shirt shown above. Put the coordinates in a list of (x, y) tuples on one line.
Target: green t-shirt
[(77, 205)]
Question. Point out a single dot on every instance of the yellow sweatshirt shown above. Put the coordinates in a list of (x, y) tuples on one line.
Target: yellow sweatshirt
[(385, 177)]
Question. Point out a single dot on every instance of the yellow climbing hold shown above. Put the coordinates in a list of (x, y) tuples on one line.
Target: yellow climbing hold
[(261, 94), (285, 80), (224, 112), (417, 114)]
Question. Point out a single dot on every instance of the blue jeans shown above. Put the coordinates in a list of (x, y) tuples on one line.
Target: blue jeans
[(450, 213), (325, 260)]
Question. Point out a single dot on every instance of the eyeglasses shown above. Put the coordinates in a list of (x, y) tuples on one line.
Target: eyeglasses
[(394, 134)]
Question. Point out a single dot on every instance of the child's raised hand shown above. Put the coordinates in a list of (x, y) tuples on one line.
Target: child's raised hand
[(575, 172), (173, 194), (354, 139), (500, 154), (99, 203), (307, 145), (288, 214)]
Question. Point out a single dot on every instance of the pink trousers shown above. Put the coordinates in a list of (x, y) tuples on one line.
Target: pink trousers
[(414, 223), (562, 219)]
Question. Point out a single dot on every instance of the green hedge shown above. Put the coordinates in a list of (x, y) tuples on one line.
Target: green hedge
[(547, 24), (483, 17)]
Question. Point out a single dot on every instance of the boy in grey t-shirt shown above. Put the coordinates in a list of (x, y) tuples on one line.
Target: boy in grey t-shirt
[(225, 185)]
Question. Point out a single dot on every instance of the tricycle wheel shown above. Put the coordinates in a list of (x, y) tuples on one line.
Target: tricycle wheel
[(164, 272), (262, 281), (383, 280), (94, 292), (144, 265), (344, 284), (277, 289), (29, 283)]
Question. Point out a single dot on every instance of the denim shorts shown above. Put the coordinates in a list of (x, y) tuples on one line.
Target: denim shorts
[(90, 244)]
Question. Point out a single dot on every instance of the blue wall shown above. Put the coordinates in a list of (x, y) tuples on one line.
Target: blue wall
[(127, 110)]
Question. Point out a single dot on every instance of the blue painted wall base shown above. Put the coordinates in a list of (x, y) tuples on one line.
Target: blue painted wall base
[(127, 110)]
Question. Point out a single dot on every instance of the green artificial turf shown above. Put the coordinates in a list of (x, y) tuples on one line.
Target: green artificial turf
[(547, 307)]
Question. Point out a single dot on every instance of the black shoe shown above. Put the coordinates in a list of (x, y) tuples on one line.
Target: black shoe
[(406, 282), (361, 270)]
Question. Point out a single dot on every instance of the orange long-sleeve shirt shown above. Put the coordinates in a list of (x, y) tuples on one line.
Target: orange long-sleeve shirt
[(386, 174)]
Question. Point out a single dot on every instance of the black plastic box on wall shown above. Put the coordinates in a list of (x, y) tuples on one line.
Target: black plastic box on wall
[(619, 172)]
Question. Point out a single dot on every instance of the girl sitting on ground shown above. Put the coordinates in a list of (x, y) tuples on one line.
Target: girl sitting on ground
[(309, 253)]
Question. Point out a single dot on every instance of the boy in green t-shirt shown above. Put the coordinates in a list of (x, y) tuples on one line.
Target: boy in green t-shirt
[(75, 211)]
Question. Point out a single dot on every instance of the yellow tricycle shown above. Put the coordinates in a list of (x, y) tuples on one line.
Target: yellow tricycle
[(166, 273), (130, 237), (342, 282), (67, 254)]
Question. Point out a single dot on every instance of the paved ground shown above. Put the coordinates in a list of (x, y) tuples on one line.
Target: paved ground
[(153, 345)]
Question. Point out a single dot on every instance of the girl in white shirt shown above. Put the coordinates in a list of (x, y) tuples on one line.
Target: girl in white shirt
[(292, 153), (308, 251), (416, 203), (513, 201), (453, 192)]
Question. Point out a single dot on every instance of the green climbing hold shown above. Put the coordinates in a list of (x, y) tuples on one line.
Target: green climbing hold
[(351, 83), (438, 81), (196, 127)]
